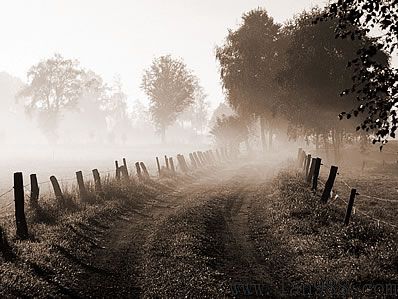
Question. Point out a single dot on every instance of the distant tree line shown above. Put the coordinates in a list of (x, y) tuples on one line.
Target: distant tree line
[(57, 86)]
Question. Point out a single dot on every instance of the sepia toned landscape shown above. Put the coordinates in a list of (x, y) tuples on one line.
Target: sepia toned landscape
[(198, 149)]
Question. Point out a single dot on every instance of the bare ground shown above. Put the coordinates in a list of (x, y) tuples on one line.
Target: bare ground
[(193, 241)]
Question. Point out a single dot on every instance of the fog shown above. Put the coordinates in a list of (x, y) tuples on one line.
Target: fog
[(76, 90)]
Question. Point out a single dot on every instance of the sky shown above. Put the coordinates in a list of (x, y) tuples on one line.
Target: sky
[(121, 37)]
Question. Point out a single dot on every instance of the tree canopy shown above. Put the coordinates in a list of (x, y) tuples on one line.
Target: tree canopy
[(53, 85), (374, 83), (249, 61), (170, 87)]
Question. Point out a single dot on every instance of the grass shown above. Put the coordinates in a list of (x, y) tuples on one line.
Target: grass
[(62, 235), (305, 242)]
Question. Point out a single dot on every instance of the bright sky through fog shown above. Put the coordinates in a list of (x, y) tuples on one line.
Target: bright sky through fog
[(123, 36)]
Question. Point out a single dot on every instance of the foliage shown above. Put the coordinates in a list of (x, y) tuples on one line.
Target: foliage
[(170, 87), (374, 83), (197, 113), (248, 61), (115, 107), (312, 103), (54, 85), (222, 109), (230, 130)]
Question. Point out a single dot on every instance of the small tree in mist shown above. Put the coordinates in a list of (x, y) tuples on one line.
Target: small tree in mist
[(230, 131), (115, 106), (222, 109), (198, 112), (53, 85), (170, 87)]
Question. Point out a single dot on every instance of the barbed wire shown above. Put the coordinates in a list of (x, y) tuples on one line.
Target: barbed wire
[(359, 211), (5, 193)]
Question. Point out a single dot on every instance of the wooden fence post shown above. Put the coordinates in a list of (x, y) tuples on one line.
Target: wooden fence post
[(202, 159), (34, 190), (312, 169), (193, 162), (117, 170), (185, 163), (195, 155), (316, 174), (349, 206), (138, 168), (125, 168), (19, 197), (158, 164), (82, 188), (57, 188), (144, 170), (329, 184), (124, 171), (173, 170), (97, 181), (167, 162), (307, 165)]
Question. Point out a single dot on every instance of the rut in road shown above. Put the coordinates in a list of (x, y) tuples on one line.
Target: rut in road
[(193, 241)]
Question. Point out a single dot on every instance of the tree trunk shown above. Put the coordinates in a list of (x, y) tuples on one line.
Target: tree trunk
[(317, 142), (163, 134), (270, 137), (262, 129)]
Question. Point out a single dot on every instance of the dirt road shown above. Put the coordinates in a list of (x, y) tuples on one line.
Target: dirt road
[(193, 241)]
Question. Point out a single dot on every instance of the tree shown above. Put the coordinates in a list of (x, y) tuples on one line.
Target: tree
[(314, 76), (170, 87), (222, 109), (53, 85), (230, 131), (115, 107), (87, 122), (197, 113), (374, 83), (249, 61)]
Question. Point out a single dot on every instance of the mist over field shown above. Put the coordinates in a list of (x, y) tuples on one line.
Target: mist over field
[(198, 149)]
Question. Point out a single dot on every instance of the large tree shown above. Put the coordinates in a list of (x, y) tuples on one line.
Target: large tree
[(249, 60), (314, 76), (170, 87), (54, 84), (375, 83)]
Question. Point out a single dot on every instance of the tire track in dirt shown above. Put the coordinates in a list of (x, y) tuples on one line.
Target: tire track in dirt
[(225, 257), (193, 241)]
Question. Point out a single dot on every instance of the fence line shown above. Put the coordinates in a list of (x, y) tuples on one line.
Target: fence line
[(301, 159), (22, 193)]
